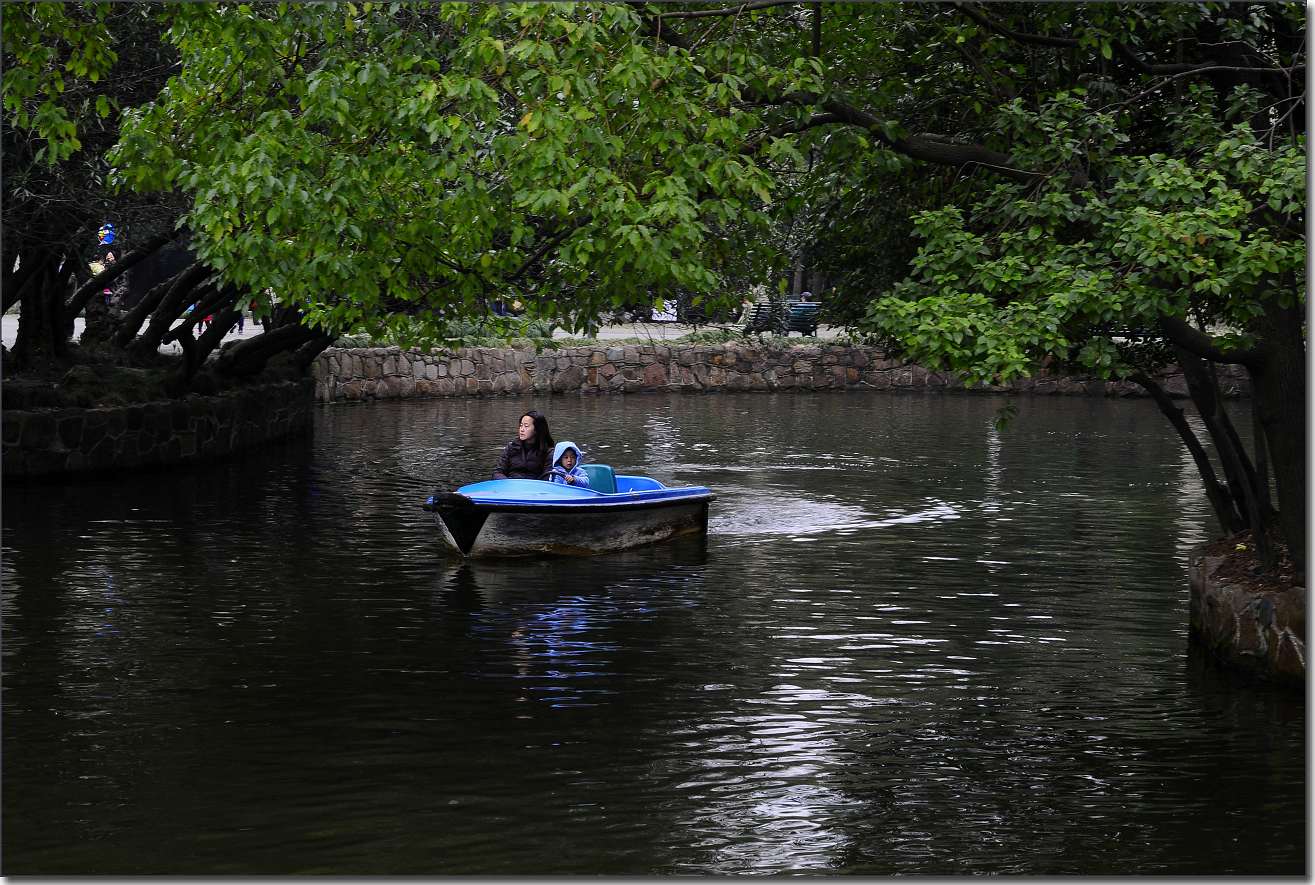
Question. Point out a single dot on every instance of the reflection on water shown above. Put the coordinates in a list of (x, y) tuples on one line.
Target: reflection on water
[(911, 643)]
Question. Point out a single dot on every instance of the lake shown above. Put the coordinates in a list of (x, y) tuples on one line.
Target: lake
[(912, 643)]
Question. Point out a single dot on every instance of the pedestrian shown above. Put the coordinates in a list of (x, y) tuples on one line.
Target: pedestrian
[(241, 321), (108, 292), (526, 456)]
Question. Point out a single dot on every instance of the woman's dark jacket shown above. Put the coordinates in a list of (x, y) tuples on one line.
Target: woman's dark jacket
[(522, 461)]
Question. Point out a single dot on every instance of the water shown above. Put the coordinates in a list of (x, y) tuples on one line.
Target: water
[(911, 644)]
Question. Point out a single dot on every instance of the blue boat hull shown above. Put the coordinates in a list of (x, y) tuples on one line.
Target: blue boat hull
[(521, 517)]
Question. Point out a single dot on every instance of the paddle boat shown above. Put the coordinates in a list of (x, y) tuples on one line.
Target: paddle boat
[(525, 517)]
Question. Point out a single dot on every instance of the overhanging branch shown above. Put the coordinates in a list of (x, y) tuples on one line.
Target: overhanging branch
[(1192, 339)]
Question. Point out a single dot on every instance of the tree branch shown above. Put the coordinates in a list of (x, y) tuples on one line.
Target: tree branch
[(930, 148), (103, 279), (726, 10), (1192, 339), (919, 147), (163, 310), (248, 357), (1225, 507), (1017, 36), (1124, 50)]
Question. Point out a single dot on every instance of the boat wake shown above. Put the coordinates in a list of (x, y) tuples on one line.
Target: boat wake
[(770, 516)]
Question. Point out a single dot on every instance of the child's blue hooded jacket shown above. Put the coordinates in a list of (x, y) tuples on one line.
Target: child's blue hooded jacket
[(559, 473)]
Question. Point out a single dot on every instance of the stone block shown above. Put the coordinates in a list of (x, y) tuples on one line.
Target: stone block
[(39, 431), (70, 430)]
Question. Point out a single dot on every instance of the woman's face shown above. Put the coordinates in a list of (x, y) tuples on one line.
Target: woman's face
[(525, 432)]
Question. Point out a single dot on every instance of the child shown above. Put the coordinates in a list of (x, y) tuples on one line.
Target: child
[(566, 466)]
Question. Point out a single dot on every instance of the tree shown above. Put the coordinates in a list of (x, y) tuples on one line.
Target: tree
[(1178, 242), (381, 166), (1103, 213), (64, 79), (69, 71)]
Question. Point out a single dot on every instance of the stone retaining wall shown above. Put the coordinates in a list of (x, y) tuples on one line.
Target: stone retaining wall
[(42, 442), (1262, 633), (391, 373)]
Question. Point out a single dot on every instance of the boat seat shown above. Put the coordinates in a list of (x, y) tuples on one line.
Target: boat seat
[(601, 478)]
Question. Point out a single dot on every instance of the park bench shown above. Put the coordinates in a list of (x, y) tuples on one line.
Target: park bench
[(763, 316), (802, 317), (782, 318)]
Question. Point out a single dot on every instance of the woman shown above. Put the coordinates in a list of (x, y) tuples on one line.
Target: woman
[(526, 456)]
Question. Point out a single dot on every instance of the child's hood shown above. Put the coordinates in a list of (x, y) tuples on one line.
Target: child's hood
[(560, 449)]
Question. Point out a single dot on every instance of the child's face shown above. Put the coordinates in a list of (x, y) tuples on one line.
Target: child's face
[(568, 459)]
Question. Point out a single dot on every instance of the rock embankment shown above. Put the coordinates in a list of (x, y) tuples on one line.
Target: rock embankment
[(53, 441), (391, 373), (1258, 627)]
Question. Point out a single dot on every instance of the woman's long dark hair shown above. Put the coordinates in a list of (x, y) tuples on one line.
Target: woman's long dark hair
[(543, 440)]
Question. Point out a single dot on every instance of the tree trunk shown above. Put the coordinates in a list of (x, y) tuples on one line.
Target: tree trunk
[(167, 308), (1241, 475), (40, 339), (1225, 507), (28, 273), (1278, 385), (248, 357), (306, 354)]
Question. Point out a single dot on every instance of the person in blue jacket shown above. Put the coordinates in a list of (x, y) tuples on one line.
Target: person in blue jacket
[(566, 466)]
